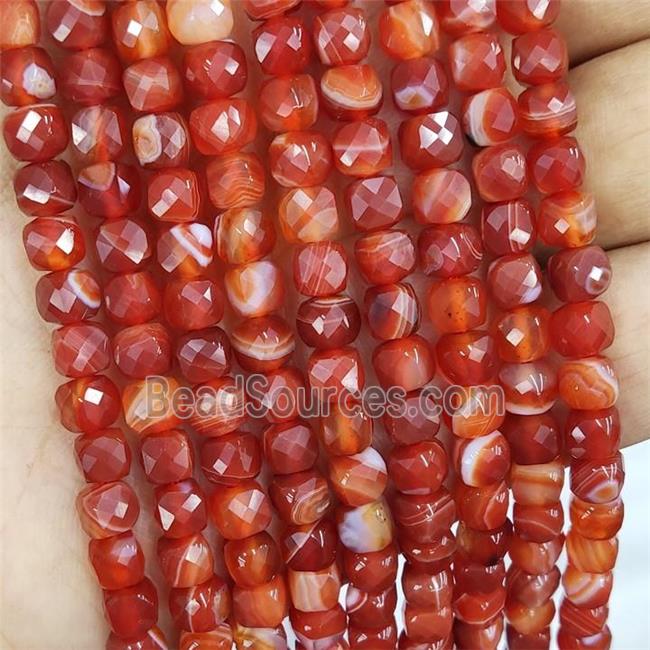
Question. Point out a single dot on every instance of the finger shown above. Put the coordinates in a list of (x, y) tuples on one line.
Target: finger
[(628, 301), (594, 28), (612, 94)]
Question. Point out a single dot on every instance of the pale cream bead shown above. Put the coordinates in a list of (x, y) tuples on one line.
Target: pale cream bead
[(192, 22)]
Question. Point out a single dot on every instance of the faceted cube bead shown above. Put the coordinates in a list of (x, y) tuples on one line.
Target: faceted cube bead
[(155, 394), (529, 589), (203, 355), (140, 30), (392, 310), (200, 608), (440, 196), (592, 435), (109, 189), (491, 117), (482, 508), (132, 611), (311, 547), (274, 638), (431, 140), (300, 498), (596, 521), (222, 126), (530, 620), (107, 509), (557, 165), (185, 249), (185, 562), (601, 640), (36, 133), (220, 638), (343, 433), (90, 77), (173, 195), (27, 76), (529, 388), (214, 70), (374, 203), (180, 508), (462, 16), (408, 363), (515, 280), (477, 62), (153, 85), (21, 25), (523, 334), (279, 396), (582, 621), (467, 358), (88, 404), (477, 414), (351, 92), (485, 548), (385, 256), (371, 571), (241, 510), (161, 140), (45, 189), (328, 322), (450, 250), (567, 219), (424, 625), (300, 158), (314, 591), (358, 479), (80, 349), (548, 111), (539, 57), (333, 373), (457, 304), (122, 245), (518, 641), (592, 555), (53, 244), (98, 133), (118, 561), (142, 350), (371, 610), (219, 407), (192, 304), (255, 289), (508, 227), (522, 17), (479, 609), (582, 329), (320, 269), (362, 148), (193, 22), (132, 298), (282, 45), (533, 439), (167, 456), (68, 297), (375, 637), (290, 447), (419, 85), (288, 103), (424, 518), (409, 30), (262, 9), (430, 558), (419, 468), (263, 344), (483, 460), (535, 557), (77, 25), (539, 484), (598, 481), (237, 180), (327, 626), (341, 36), (103, 456), (308, 214), (263, 606), (252, 561), (500, 173), (589, 383), (579, 274)]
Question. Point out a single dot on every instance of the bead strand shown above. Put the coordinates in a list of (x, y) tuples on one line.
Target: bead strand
[(580, 330), (90, 402)]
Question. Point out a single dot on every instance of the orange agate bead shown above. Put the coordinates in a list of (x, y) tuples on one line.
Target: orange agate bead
[(241, 510), (537, 485), (263, 605), (589, 383), (409, 30)]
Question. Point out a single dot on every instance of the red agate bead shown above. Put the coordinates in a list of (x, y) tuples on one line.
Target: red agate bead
[(80, 349), (457, 304), (255, 289), (68, 296), (320, 269), (192, 304), (341, 36), (199, 21), (45, 189), (241, 510), (538, 523), (109, 190), (27, 76), (522, 17), (132, 611), (153, 85), (409, 30), (132, 298), (351, 92), (450, 250), (515, 280), (262, 9), (308, 214), (385, 256), (103, 456), (185, 249), (263, 344), (345, 432), (406, 362), (174, 195), (310, 547), (214, 70), (118, 561), (592, 435), (290, 447), (419, 468), (90, 77), (161, 140), (315, 591), (392, 310), (282, 46), (98, 133), (523, 334), (202, 607), (140, 30), (300, 158), (587, 589), (107, 509), (185, 561), (491, 117), (500, 173), (328, 322), (539, 57), (529, 388), (441, 196), (123, 245), (419, 85), (289, 103), (467, 358), (431, 140), (222, 126), (589, 383), (548, 111), (567, 219), (362, 148), (482, 508), (36, 133), (508, 227), (143, 350), (244, 235), (579, 274), (533, 439), (167, 456), (483, 460), (477, 62), (335, 372), (539, 484), (262, 605), (300, 498), (556, 165), (252, 561), (359, 478), (582, 329), (180, 508), (231, 458), (219, 407), (462, 16)]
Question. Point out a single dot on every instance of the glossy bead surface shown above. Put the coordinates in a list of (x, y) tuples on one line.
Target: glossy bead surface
[(478, 412), (539, 57), (310, 547), (314, 591), (482, 508), (508, 227), (523, 334), (252, 561), (328, 322), (219, 407), (198, 21), (345, 433), (457, 304), (592, 435), (180, 508), (589, 383), (490, 117), (282, 45), (341, 36), (351, 92), (27, 76), (409, 30), (289, 103), (192, 304), (153, 85), (167, 457), (185, 249), (358, 479), (538, 484), (280, 394), (598, 481), (107, 509), (419, 468), (530, 589), (220, 638), (35, 133), (244, 235), (21, 25), (483, 460), (335, 372), (587, 589), (263, 344), (416, 421), (392, 310), (529, 388), (533, 439), (132, 611), (431, 140), (477, 62), (80, 349), (515, 280), (255, 289), (535, 557), (261, 606), (98, 133), (67, 297), (450, 250), (118, 561), (222, 126), (320, 269), (538, 523), (203, 355), (290, 447), (519, 18), (174, 195), (500, 173), (77, 25), (200, 608), (109, 190), (385, 256), (406, 362), (300, 158), (462, 16), (241, 510), (214, 70), (371, 571), (308, 214), (579, 274), (140, 30), (557, 165), (424, 518), (90, 77), (141, 397), (186, 561), (441, 196), (362, 148), (161, 140), (367, 528), (591, 555), (419, 85), (53, 245), (582, 329), (231, 458), (103, 456), (467, 358), (132, 298), (548, 111), (300, 498)]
